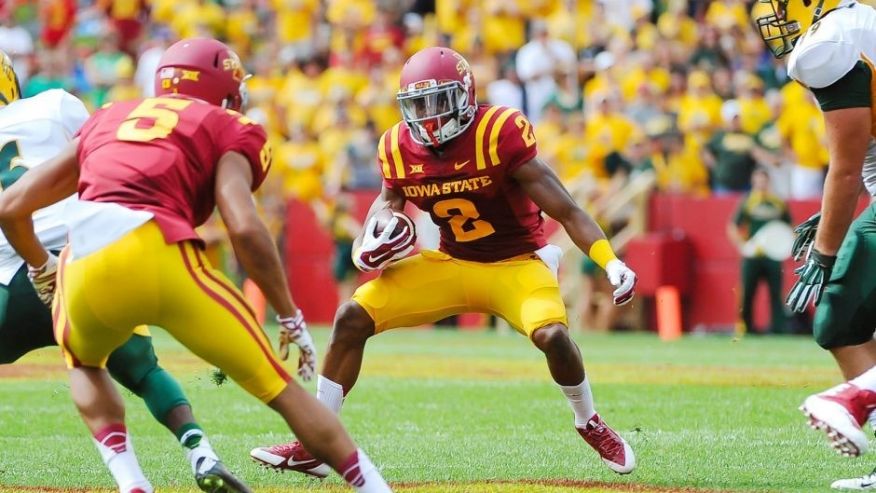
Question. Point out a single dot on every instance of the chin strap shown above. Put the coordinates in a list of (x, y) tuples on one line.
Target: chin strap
[(431, 133)]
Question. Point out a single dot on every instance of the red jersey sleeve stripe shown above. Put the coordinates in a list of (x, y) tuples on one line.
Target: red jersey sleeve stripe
[(494, 135), (381, 154), (479, 137), (396, 151)]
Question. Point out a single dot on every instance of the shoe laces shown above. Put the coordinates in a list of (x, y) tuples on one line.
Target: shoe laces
[(285, 449), (602, 438)]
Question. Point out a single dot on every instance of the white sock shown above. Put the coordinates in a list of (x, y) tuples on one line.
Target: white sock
[(581, 401), (114, 445), (361, 474), (866, 380), (202, 451), (331, 394)]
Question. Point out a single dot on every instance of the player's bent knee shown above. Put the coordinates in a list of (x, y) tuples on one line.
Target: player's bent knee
[(131, 362), (352, 324), (551, 338)]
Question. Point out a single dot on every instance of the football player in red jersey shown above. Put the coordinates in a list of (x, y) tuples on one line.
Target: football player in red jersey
[(476, 171), (148, 172)]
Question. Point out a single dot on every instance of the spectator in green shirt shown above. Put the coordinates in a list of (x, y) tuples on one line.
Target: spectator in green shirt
[(759, 207), (729, 153)]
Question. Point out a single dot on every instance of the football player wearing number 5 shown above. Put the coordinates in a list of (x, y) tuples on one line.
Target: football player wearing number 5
[(33, 130), (476, 171), (149, 172), (831, 45)]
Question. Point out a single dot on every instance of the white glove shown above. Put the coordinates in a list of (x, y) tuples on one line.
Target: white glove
[(378, 251), (294, 330), (44, 279), (623, 279)]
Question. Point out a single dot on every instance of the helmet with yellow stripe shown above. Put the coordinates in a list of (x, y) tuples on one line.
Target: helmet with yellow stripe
[(9, 88), (782, 22)]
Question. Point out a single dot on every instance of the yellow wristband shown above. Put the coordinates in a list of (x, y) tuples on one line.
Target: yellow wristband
[(601, 252)]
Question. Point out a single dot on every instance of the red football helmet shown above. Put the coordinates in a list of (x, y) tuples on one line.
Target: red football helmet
[(437, 95), (205, 69)]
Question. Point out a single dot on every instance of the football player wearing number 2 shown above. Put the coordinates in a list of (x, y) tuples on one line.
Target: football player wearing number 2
[(149, 172), (476, 171)]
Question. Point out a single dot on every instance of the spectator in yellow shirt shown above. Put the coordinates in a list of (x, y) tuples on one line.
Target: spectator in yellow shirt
[(199, 18), (699, 111), (503, 25), (301, 93), (299, 163), (242, 27), (678, 169), (295, 20), (607, 131), (125, 89), (727, 14), (755, 112)]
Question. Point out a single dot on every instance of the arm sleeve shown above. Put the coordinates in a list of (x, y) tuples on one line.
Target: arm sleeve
[(248, 138), (72, 114), (850, 91), (517, 144)]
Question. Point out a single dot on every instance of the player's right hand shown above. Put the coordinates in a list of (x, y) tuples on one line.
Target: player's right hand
[(623, 279), (294, 330), (804, 236), (377, 251), (44, 279)]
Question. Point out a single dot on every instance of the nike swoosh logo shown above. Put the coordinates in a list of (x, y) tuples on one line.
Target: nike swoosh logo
[(372, 258), (459, 166), (308, 462)]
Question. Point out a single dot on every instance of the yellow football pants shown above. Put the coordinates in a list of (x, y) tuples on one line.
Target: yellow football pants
[(139, 279), (432, 285)]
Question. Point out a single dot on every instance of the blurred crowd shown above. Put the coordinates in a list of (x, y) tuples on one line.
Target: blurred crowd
[(684, 88)]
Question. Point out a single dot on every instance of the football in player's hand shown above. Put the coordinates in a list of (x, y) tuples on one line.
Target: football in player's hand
[(385, 216)]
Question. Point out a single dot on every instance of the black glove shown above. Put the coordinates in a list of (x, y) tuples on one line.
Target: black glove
[(804, 236), (814, 274)]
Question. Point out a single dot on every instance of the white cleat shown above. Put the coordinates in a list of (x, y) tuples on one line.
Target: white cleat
[(866, 482), (840, 416)]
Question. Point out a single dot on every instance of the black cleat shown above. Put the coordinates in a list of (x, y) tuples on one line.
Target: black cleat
[(218, 479)]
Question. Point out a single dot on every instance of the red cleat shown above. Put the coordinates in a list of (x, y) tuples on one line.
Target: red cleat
[(290, 457), (614, 450), (841, 412)]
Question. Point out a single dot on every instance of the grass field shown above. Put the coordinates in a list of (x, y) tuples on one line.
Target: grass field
[(477, 412)]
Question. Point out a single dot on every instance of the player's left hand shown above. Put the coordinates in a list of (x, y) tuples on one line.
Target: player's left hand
[(623, 279), (44, 279), (814, 274), (294, 330), (804, 235)]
